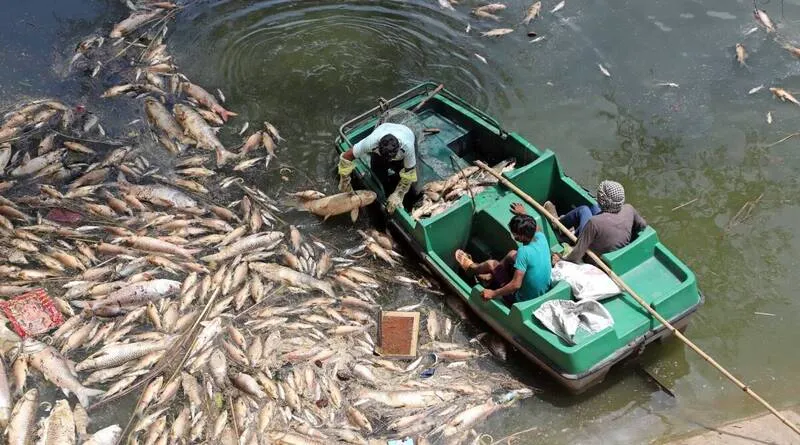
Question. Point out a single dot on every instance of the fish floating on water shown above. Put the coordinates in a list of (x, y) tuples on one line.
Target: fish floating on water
[(741, 54), (784, 95), (497, 32), (180, 282), (532, 12), (763, 19)]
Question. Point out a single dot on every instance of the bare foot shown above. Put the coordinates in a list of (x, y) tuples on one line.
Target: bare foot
[(463, 259)]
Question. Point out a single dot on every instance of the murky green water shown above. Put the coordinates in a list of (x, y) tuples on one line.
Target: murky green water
[(308, 65)]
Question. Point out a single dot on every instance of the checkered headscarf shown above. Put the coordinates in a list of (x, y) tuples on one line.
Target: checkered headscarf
[(610, 196)]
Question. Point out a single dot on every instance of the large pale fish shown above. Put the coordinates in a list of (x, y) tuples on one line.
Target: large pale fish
[(340, 203), (134, 294), (133, 22), (20, 429), (247, 244), (158, 194), (59, 427), (196, 127), (276, 272), (57, 369), (34, 165), (533, 12)]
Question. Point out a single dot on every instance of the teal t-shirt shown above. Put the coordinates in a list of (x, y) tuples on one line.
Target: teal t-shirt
[(534, 259)]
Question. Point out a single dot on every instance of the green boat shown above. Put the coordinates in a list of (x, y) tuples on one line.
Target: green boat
[(479, 224)]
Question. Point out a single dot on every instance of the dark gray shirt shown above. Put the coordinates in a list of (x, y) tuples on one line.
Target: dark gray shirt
[(606, 232)]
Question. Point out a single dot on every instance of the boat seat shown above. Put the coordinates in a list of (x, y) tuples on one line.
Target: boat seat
[(491, 226), (524, 310)]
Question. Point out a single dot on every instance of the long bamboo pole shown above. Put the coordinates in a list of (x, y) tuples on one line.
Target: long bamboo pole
[(600, 263)]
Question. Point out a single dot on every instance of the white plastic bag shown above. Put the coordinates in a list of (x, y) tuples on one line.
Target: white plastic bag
[(564, 317), (587, 281)]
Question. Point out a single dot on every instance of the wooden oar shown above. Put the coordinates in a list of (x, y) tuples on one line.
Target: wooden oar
[(428, 97), (602, 265)]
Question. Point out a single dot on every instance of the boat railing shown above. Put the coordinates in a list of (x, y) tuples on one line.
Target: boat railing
[(418, 90)]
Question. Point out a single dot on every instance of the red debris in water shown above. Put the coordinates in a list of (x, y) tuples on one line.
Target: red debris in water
[(64, 216), (31, 313)]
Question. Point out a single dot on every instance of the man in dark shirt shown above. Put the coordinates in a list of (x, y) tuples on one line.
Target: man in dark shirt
[(611, 229)]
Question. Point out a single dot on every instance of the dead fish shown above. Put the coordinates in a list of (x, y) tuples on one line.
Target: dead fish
[(784, 95), (149, 244), (244, 165), (206, 99), (5, 397), (433, 326), (156, 193), (196, 127), (483, 14), (481, 58), (159, 116), (107, 436), (133, 22), (603, 70), (497, 32), (533, 12), (21, 426), (276, 272), (741, 54), (134, 294), (268, 142), (56, 369), (445, 4), (244, 128), (763, 19), (59, 427), (273, 132), (340, 203), (795, 51), (769, 117), (558, 7), (245, 245), (755, 89), (251, 143), (307, 195), (491, 7), (34, 165)]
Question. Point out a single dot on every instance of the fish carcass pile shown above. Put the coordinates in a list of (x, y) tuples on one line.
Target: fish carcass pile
[(439, 196), (230, 325)]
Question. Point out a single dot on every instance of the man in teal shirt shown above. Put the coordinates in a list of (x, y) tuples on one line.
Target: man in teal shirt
[(524, 273)]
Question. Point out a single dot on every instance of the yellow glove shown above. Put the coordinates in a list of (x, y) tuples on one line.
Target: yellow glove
[(395, 200), (346, 166)]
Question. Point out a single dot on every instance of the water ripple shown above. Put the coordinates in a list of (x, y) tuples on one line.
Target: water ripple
[(324, 61)]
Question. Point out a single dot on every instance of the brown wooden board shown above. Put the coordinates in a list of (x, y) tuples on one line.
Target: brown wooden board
[(398, 333)]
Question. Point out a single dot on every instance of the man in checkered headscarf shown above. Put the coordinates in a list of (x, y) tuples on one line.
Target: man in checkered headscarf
[(608, 226), (610, 196)]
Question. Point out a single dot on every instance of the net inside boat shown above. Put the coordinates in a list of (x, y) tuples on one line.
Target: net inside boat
[(404, 117)]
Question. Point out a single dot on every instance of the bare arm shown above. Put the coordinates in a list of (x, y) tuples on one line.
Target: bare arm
[(514, 285), (349, 155)]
